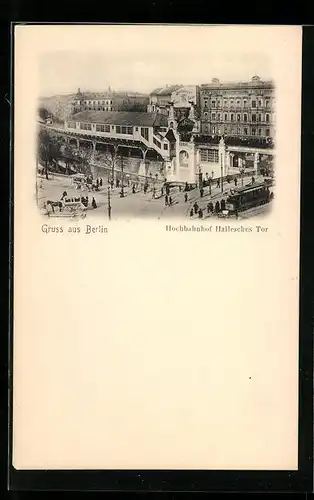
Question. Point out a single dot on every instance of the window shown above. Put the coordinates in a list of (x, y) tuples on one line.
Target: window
[(213, 116), (267, 104), (123, 130), (214, 130), (205, 102), (238, 118), (226, 117), (166, 147), (253, 104), (253, 131), (267, 118), (207, 155), (157, 142), (219, 103), (218, 117), (253, 118), (206, 128), (259, 118), (86, 126), (245, 131), (136, 128), (239, 130), (144, 132), (118, 129), (102, 128), (259, 131), (213, 104), (267, 132), (232, 117), (205, 114), (260, 103), (231, 103), (71, 124), (245, 117), (225, 102), (238, 103), (245, 103)]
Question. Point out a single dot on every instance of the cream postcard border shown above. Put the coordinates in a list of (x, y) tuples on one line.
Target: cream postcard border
[(147, 350)]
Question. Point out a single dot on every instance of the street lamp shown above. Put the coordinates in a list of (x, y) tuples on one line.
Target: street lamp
[(109, 203), (221, 175), (242, 174), (122, 180)]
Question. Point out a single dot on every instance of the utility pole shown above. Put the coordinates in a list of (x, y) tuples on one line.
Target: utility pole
[(221, 175), (122, 188), (109, 204)]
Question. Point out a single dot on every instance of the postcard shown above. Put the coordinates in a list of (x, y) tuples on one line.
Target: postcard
[(156, 247)]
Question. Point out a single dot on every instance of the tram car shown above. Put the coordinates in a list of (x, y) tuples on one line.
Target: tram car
[(248, 197)]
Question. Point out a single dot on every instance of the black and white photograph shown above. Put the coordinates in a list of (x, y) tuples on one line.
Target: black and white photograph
[(156, 249), (141, 135)]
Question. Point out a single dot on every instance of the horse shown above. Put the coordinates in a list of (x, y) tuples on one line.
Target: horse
[(54, 204)]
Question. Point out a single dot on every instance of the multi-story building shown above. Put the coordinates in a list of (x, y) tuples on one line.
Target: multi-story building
[(182, 97), (243, 109), (109, 101), (160, 99)]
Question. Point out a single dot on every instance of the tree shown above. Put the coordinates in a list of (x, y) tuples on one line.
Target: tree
[(130, 105), (111, 157), (43, 113), (49, 149)]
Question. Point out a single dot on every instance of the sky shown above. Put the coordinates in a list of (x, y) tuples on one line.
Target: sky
[(64, 72)]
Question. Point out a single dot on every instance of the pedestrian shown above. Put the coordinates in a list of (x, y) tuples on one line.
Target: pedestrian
[(186, 197), (166, 200), (211, 206), (195, 208), (208, 208), (154, 193), (170, 200), (223, 205), (191, 212), (253, 179), (200, 213), (97, 183), (218, 183), (235, 182), (94, 205), (133, 189), (180, 189), (202, 192), (217, 207), (100, 182), (162, 191)]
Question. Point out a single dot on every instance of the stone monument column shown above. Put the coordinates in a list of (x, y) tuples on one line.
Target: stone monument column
[(256, 161), (222, 156)]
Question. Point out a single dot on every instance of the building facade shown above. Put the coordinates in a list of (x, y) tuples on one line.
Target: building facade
[(109, 101), (243, 109)]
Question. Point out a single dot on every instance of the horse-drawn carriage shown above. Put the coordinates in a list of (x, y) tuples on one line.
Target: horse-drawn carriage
[(67, 206)]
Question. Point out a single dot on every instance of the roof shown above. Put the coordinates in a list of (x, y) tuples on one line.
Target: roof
[(250, 187), (165, 90), (238, 85), (127, 118), (109, 95)]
